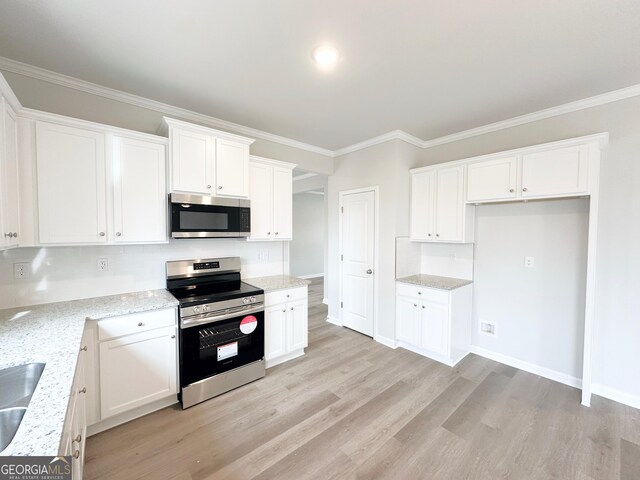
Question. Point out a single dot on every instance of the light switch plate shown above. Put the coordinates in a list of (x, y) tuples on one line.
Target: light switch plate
[(21, 271)]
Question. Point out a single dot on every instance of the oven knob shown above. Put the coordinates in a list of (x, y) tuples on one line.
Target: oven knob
[(196, 309), (245, 300), (253, 299), (205, 308)]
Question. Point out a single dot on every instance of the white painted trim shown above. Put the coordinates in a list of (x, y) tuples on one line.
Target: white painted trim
[(272, 162), (386, 341), (125, 417), (376, 247), (334, 320), (325, 301), (616, 395), (313, 275), (304, 176), (393, 135), (7, 93), (528, 367), (310, 192), (120, 96), (284, 358), (175, 123)]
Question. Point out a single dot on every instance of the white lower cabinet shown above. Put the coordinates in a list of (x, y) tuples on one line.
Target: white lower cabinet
[(435, 323), (286, 325), (132, 366)]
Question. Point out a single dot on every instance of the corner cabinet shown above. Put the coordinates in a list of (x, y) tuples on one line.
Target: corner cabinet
[(207, 161), (271, 195), (9, 193), (438, 209), (434, 323), (286, 325), (97, 188)]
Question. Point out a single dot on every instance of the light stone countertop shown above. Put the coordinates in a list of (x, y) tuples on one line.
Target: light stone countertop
[(434, 281), (276, 282), (51, 334)]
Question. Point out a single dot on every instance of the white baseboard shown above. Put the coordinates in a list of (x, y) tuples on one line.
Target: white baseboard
[(285, 358), (325, 301), (313, 275), (125, 417), (386, 341), (529, 367), (334, 320), (616, 395)]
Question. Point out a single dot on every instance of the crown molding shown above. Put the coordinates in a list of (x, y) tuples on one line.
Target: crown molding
[(113, 94), (106, 92), (8, 94), (303, 176)]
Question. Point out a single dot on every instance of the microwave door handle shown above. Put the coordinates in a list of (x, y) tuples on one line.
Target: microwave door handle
[(212, 318)]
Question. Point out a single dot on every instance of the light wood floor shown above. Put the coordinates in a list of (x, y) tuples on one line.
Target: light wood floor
[(352, 408)]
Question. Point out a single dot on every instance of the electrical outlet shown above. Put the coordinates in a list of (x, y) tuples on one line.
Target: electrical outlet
[(21, 270), (263, 256), (452, 256), (488, 328), (103, 264), (528, 262)]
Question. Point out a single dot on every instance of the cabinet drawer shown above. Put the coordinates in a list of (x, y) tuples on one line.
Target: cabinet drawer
[(422, 293), (282, 296), (135, 323)]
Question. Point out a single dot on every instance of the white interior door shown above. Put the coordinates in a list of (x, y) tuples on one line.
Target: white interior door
[(358, 231)]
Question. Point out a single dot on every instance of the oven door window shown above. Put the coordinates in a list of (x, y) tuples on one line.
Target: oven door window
[(217, 347), (204, 218)]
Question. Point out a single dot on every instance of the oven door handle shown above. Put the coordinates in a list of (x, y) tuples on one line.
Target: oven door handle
[(212, 317)]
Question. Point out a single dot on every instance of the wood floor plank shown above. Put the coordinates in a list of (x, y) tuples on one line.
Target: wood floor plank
[(629, 460)]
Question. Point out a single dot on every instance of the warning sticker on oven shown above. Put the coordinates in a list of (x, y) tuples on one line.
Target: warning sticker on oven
[(248, 324), (227, 351)]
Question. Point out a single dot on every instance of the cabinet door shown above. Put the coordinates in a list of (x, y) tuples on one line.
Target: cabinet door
[(275, 331), (422, 206), (261, 196), (137, 369), (139, 191), (191, 161), (450, 204), (9, 209), (434, 323), (297, 323), (492, 179), (232, 168), (563, 171), (71, 184), (408, 320), (282, 203)]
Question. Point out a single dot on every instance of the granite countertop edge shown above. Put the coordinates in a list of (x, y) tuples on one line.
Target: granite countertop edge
[(273, 283), (434, 281)]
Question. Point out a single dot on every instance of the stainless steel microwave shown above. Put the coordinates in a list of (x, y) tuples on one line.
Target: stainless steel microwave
[(202, 216)]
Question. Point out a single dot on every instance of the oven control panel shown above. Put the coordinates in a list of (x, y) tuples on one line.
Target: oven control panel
[(206, 265)]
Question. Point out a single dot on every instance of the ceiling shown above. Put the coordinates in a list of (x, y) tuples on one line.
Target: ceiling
[(430, 68)]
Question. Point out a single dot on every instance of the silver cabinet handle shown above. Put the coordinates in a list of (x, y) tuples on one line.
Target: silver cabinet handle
[(140, 324), (8, 235), (437, 234), (219, 187), (209, 187), (369, 272), (83, 349), (276, 233), (291, 308), (288, 295), (118, 234), (15, 234), (428, 234), (83, 390), (76, 454), (268, 233), (173, 336), (524, 189), (284, 310), (78, 439), (422, 306), (511, 190), (101, 234), (415, 304), (419, 293)]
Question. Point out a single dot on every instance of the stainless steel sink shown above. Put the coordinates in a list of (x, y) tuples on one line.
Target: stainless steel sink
[(17, 384), (10, 419)]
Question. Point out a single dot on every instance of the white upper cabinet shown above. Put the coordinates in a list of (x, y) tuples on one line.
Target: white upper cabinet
[(207, 161), (191, 161), (71, 184), (139, 191), (450, 204), (9, 208), (438, 211), (232, 168), (271, 195), (423, 203), (492, 179), (559, 172)]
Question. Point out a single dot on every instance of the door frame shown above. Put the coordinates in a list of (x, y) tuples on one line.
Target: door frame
[(376, 248)]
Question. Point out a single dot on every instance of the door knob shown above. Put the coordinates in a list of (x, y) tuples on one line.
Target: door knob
[(369, 272)]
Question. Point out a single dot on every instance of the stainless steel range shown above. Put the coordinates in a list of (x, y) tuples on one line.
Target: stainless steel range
[(221, 327)]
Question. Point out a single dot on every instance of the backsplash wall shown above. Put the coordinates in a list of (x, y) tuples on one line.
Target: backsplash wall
[(67, 273)]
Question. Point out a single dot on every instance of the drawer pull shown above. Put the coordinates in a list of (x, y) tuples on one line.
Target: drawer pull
[(76, 454), (83, 390), (140, 324), (419, 293), (78, 439)]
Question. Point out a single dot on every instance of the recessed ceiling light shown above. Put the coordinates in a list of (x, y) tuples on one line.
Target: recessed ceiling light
[(326, 56)]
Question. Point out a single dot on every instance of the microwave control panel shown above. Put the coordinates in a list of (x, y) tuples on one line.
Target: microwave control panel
[(206, 265)]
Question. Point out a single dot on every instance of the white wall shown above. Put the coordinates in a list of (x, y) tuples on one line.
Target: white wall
[(539, 311), (66, 273), (306, 250), (447, 260)]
